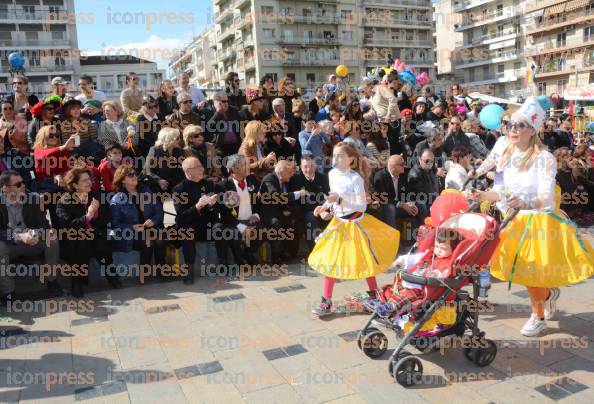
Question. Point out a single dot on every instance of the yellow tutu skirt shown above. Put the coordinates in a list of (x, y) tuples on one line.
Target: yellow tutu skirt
[(355, 250), (542, 249)]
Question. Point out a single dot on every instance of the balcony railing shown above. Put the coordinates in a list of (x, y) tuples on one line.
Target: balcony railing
[(460, 5), (308, 41), (483, 18), (311, 19), (491, 57), (419, 3), (482, 38), (395, 43), (560, 20), (42, 69), (38, 15), (384, 22), (33, 43), (310, 62)]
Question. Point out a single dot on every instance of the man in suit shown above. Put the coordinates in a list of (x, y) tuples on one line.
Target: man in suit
[(23, 231), (279, 201), (317, 185), (195, 202), (391, 182), (240, 210)]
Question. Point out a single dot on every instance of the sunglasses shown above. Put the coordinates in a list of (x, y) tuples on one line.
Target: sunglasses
[(7, 108), (17, 82), (516, 125), (131, 174), (195, 136), (186, 102), (224, 101), (18, 184), (428, 161), (53, 136)]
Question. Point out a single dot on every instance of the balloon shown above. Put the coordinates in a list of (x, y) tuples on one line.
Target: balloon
[(398, 65), (447, 205), (342, 71), (490, 116), (407, 77), (423, 79), (545, 102), (16, 60)]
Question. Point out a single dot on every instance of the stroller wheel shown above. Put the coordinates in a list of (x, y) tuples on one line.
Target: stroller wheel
[(368, 331), (482, 356), (374, 344), (408, 371), (401, 354)]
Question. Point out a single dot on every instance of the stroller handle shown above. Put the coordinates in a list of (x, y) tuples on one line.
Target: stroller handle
[(421, 280)]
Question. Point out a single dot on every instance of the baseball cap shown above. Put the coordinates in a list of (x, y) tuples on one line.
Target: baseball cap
[(59, 80)]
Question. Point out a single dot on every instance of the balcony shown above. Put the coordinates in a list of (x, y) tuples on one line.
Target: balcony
[(12, 43), (489, 38), (310, 62), (248, 41), (328, 19), (461, 5), (490, 58), (227, 54), (227, 33), (540, 4), (395, 43), (472, 21), (223, 15), (494, 78), (551, 46), (307, 41), (39, 15), (578, 17), (44, 70), (400, 3), (411, 62), (250, 63), (408, 23)]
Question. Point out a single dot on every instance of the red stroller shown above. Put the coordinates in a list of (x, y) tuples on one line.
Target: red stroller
[(481, 237)]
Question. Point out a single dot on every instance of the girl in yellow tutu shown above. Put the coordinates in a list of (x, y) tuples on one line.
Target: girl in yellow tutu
[(540, 248), (354, 245)]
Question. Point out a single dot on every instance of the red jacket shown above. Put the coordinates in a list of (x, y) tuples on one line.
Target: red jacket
[(106, 172), (51, 162)]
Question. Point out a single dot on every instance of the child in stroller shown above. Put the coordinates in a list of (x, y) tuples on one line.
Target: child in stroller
[(402, 294)]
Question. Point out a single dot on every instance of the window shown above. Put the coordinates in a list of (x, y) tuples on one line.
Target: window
[(310, 78), (306, 12), (410, 35), (542, 88), (422, 35), (346, 15), (347, 35), (291, 76), (268, 32), (589, 33), (561, 39), (308, 34), (34, 58), (58, 35), (500, 68), (561, 85), (286, 11), (471, 75), (395, 35), (499, 11), (29, 11), (54, 10), (274, 76), (485, 72), (267, 10), (31, 36)]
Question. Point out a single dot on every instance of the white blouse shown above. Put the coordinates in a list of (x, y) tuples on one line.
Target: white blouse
[(536, 183), (349, 185)]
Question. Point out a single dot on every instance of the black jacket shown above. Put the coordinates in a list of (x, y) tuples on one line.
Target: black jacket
[(423, 185), (313, 106), (186, 195), (33, 216), (383, 186), (218, 125), (245, 115), (274, 201), (459, 139), (318, 188), (440, 156), (147, 133), (283, 150), (229, 219), (166, 107), (238, 100), (72, 215)]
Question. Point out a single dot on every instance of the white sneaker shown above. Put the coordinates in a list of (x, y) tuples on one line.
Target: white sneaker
[(533, 327), (551, 303)]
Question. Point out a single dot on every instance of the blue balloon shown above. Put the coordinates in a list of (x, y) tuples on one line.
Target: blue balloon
[(16, 60), (490, 116), (407, 77), (545, 102)]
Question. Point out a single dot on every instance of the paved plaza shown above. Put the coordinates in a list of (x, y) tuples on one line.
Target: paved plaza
[(254, 340)]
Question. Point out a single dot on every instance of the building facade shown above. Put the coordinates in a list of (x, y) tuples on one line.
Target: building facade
[(560, 44), (109, 73), (306, 40), (491, 54), (445, 41), (44, 31)]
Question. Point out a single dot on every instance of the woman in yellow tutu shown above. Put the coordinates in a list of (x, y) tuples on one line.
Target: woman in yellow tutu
[(540, 248), (354, 245)]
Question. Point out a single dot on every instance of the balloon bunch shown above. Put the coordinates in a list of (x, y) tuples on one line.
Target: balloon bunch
[(423, 79)]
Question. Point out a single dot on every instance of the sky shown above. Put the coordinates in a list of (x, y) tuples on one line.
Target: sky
[(150, 29)]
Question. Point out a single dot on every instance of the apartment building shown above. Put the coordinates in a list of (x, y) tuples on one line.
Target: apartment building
[(445, 40), (490, 54), (560, 44), (307, 39), (45, 32)]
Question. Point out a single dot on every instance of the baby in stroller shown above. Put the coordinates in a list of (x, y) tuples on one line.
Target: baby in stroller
[(401, 295)]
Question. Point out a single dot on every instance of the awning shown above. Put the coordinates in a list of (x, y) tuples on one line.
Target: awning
[(556, 9), (575, 4)]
